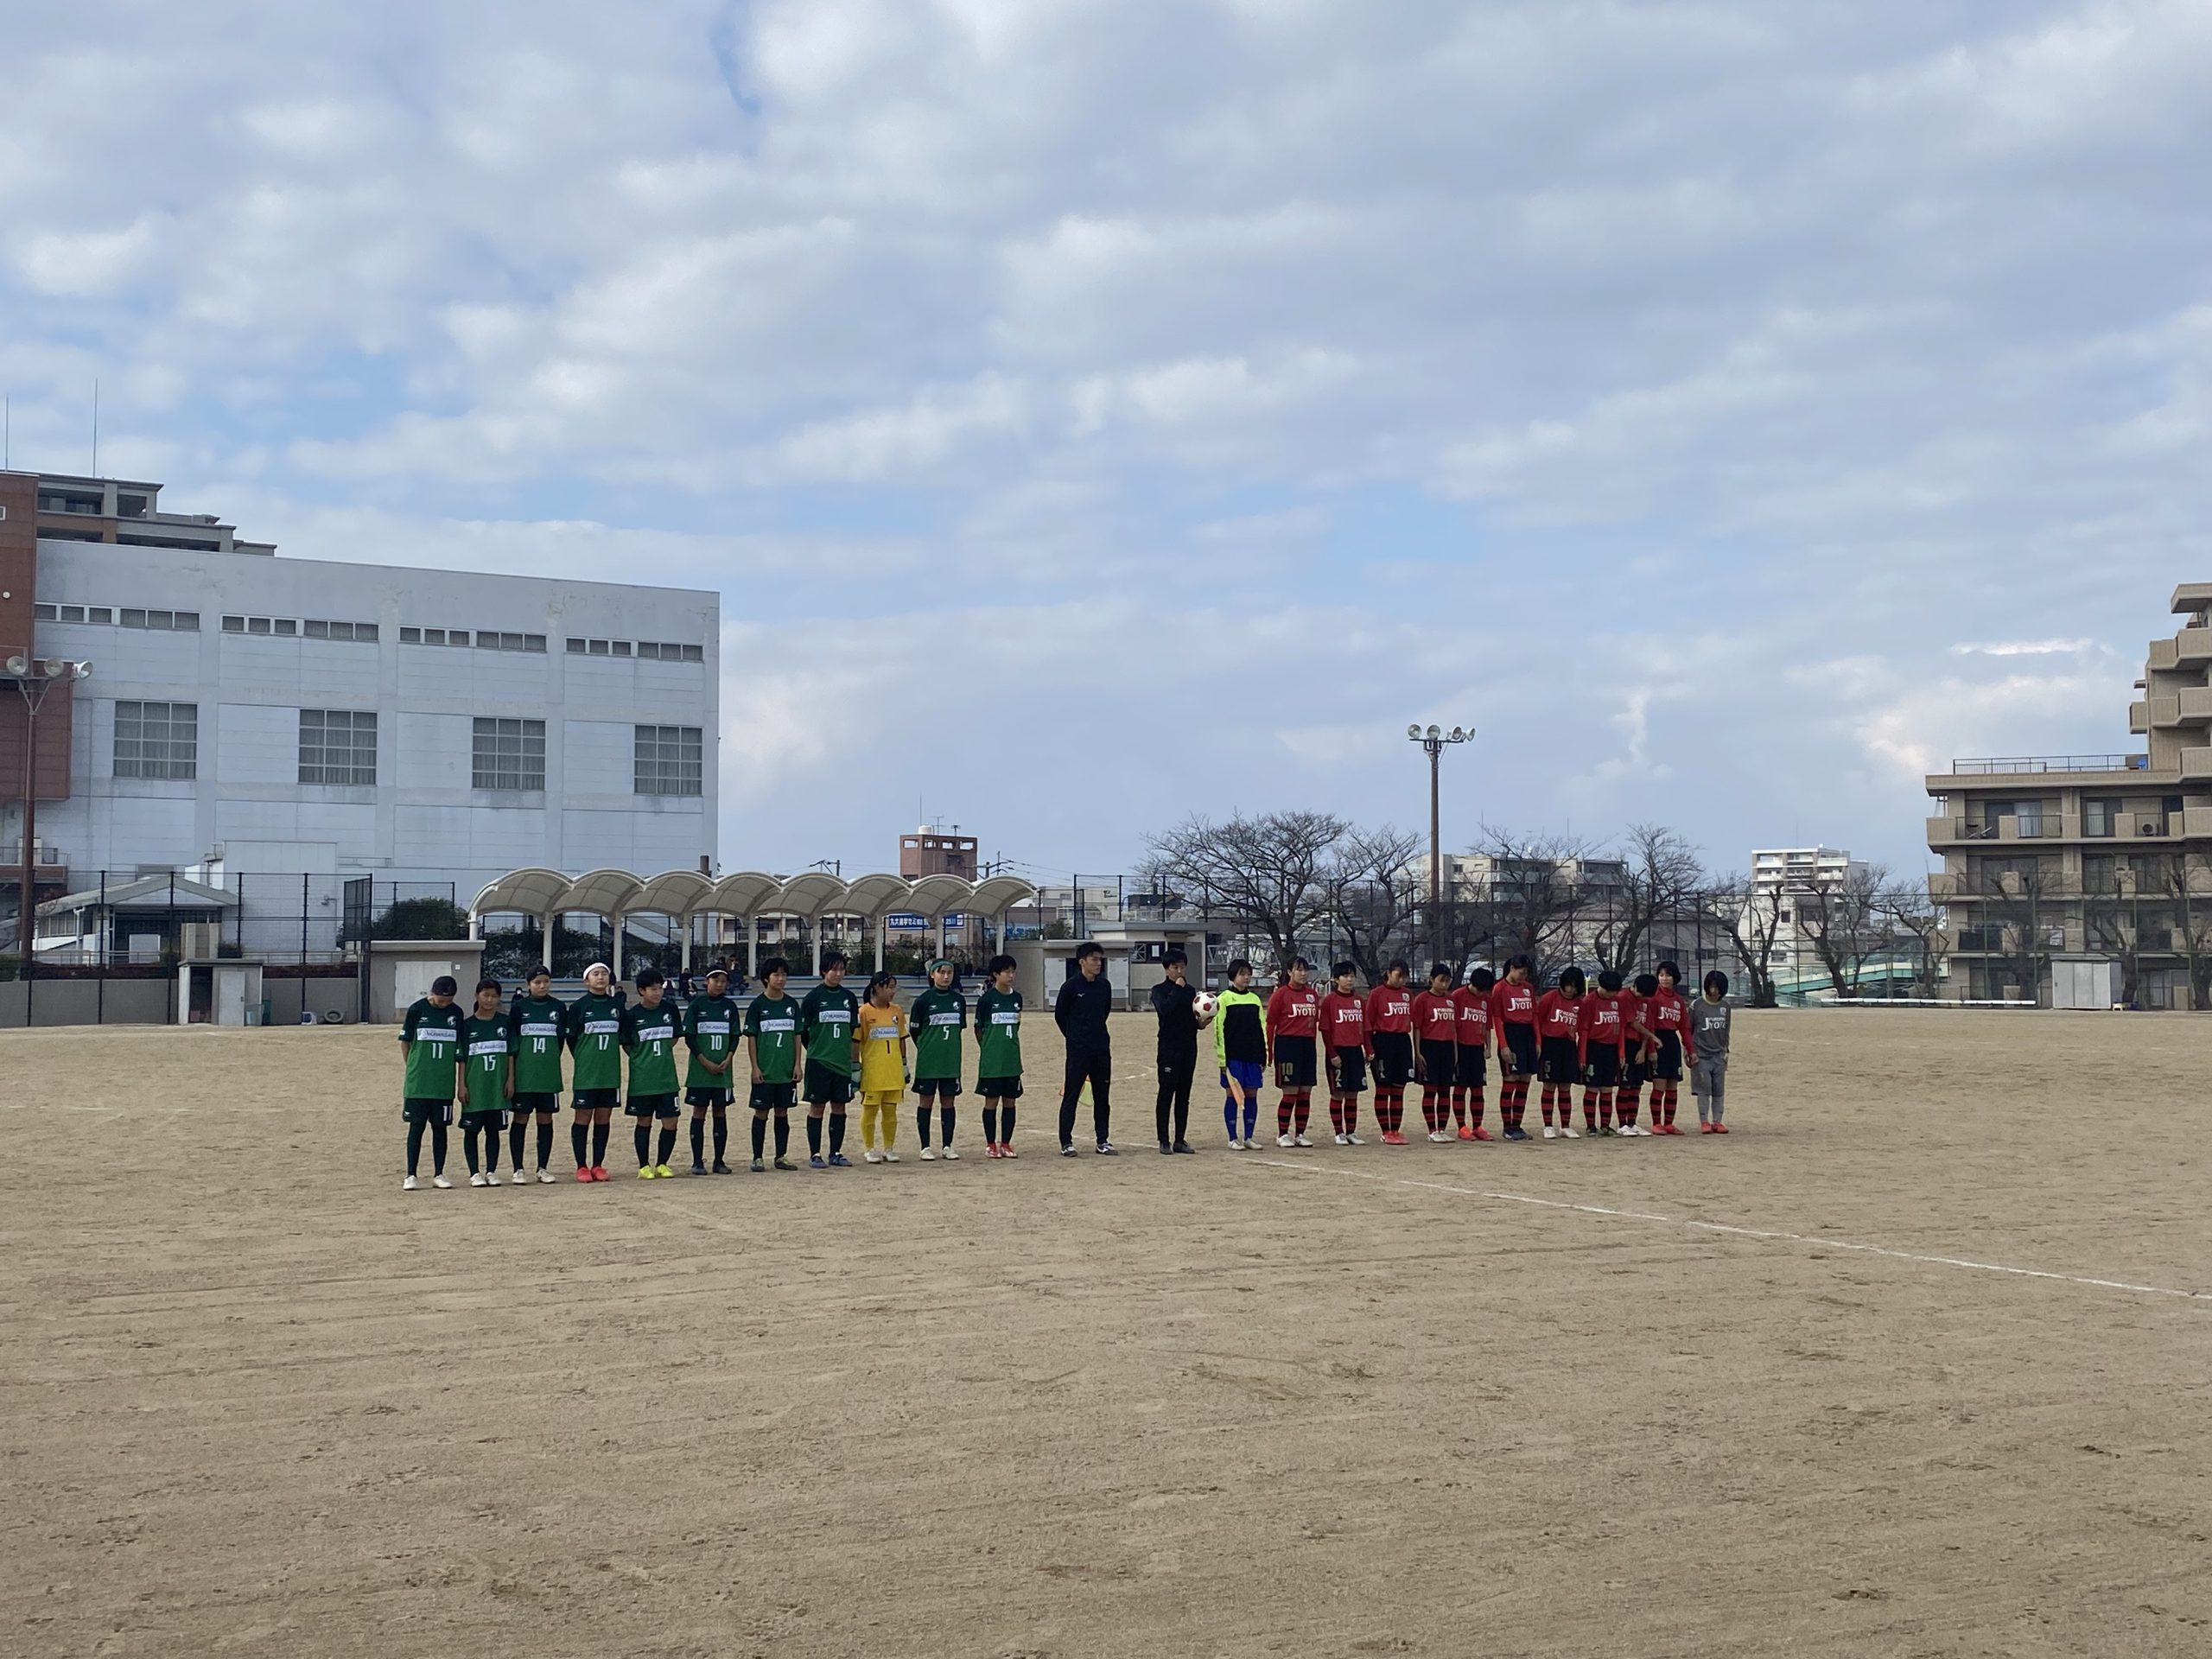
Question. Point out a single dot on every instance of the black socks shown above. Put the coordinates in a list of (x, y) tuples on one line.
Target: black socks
[(760, 1133), (836, 1131)]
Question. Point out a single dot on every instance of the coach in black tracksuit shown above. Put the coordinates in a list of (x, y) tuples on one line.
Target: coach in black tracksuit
[(1173, 1000), (1080, 1012)]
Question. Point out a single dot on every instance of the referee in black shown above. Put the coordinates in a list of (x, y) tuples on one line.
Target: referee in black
[(1080, 1012)]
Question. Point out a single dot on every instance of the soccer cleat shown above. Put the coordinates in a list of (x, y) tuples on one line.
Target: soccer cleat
[(475, 1179), (517, 1180), (872, 1155), (411, 1185), (1517, 1134), (1704, 1128), (1183, 1146), (1392, 1138), (1351, 1140), (1067, 1151), (1343, 1140), (1605, 1130), (1466, 1133), (1299, 1141), (599, 1172), (663, 1173), (1720, 1128), (815, 1160), (838, 1161), (545, 1177), (647, 1173), (440, 1180), (722, 1168), (889, 1156), (1106, 1149), (1478, 1133), (1284, 1141), (760, 1164), (928, 1157), (1235, 1145), (584, 1172), (950, 1156), (1550, 1133), (698, 1168), (1166, 1150), (1569, 1134), (784, 1163)]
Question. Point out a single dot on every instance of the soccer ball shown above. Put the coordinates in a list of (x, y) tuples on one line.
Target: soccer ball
[(1202, 1004)]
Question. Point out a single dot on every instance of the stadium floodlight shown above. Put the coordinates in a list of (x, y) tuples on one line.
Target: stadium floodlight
[(1435, 732), (19, 665), (1459, 734), (84, 670), (1412, 731)]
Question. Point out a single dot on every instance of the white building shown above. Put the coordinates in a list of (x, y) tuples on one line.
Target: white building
[(1783, 876), (251, 713)]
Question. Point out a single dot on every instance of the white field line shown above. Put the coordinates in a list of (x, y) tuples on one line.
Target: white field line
[(1748, 1232)]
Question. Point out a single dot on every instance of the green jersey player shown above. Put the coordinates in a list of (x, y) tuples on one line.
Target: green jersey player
[(487, 1083), (429, 1043), (594, 1037), (998, 1056), (938, 1019), (826, 1025), (772, 1050), (534, 1031), (710, 1029), (648, 1034)]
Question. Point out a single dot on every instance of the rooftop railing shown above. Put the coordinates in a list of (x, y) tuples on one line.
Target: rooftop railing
[(1987, 765)]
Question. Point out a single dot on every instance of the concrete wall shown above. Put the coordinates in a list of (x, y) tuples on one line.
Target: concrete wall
[(285, 998), (81, 1003), (401, 969)]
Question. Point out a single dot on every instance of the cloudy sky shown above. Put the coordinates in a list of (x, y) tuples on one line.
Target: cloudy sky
[(1731, 409)]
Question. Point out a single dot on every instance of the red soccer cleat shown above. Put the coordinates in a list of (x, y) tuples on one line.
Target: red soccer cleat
[(599, 1171), (1704, 1129), (1006, 1149), (1478, 1135), (1392, 1138), (584, 1172), (1466, 1133), (1720, 1128)]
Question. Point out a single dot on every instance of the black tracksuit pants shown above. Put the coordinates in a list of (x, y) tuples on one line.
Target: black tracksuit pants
[(1096, 1067), (1173, 1107)]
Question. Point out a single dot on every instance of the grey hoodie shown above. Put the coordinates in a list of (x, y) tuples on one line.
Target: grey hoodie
[(1709, 1027)]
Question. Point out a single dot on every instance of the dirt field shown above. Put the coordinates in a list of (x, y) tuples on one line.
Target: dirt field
[(258, 1400)]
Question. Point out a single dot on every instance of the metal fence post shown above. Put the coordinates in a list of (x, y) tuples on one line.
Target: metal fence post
[(99, 1017)]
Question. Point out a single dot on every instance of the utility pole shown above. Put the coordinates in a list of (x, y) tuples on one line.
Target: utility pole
[(34, 678), (1434, 741)]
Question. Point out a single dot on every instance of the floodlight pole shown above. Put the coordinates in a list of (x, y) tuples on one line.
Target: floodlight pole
[(39, 676), (1433, 741)]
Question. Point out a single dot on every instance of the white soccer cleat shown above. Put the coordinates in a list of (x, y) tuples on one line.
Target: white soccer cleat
[(519, 1179), (1299, 1141), (1353, 1141), (889, 1156), (1550, 1133), (478, 1180), (545, 1176), (1285, 1141), (950, 1156), (928, 1156), (1343, 1140), (440, 1180), (409, 1184), (1569, 1134), (872, 1156)]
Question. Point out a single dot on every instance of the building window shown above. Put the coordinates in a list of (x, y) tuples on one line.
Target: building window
[(2100, 817), (234, 624), (185, 622), (576, 647), (158, 739), (338, 746), (667, 651), (508, 754), (411, 636), (667, 760), (45, 613)]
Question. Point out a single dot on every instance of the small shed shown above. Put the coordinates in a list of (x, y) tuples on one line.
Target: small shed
[(2084, 982)]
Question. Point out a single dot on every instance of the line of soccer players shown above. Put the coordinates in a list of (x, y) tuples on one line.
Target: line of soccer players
[(505, 1065), (1612, 1042)]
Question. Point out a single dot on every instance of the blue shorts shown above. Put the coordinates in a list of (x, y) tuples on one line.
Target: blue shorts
[(1247, 1074)]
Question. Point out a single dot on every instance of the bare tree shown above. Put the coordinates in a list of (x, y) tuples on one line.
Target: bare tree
[(1841, 922), (1371, 898), (2113, 919), (2020, 899), (1754, 923), (1913, 923), (2188, 882), (1537, 896), (1664, 877), (1268, 872)]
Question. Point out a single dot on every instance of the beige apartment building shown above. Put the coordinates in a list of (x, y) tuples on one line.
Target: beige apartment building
[(2103, 858)]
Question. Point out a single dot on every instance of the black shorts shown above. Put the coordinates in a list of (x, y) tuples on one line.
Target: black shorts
[(498, 1114), (590, 1100), (1667, 1064), (421, 1109), (1471, 1069), (1295, 1062), (1352, 1070), (827, 1086), (535, 1103), (1602, 1066), (1438, 1061), (717, 1098), (1561, 1062), (773, 1097), (1393, 1059), (998, 1087), (649, 1106), (1520, 1044), (1635, 1071), (940, 1088)]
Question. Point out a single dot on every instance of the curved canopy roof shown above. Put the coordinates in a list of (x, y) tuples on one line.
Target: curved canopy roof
[(746, 893)]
